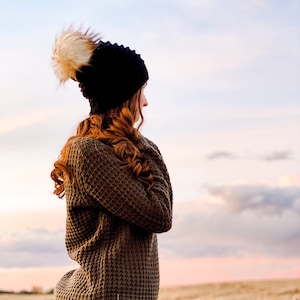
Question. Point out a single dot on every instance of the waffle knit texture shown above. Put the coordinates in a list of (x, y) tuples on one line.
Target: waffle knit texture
[(111, 225)]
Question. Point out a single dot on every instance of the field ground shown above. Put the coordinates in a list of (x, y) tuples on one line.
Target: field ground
[(246, 290)]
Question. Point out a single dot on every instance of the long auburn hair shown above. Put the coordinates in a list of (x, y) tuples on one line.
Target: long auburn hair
[(114, 128)]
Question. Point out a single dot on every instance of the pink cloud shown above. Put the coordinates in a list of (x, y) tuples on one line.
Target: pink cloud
[(173, 272), (206, 270), (17, 279)]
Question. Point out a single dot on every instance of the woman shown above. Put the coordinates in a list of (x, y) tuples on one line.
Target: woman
[(117, 188)]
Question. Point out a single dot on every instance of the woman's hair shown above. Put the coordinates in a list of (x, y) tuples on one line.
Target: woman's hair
[(114, 128)]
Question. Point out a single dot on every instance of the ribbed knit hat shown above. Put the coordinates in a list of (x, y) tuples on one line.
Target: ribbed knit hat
[(108, 74)]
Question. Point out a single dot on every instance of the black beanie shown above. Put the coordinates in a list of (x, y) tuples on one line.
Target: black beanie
[(115, 73), (108, 74)]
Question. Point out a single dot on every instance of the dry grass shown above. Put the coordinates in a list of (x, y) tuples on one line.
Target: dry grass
[(251, 290), (26, 297)]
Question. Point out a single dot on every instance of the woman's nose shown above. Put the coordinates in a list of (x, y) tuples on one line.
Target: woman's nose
[(145, 102)]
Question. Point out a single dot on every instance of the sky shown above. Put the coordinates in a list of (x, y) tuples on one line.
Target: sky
[(224, 109)]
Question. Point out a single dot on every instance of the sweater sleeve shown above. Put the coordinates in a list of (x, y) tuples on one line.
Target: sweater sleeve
[(102, 177)]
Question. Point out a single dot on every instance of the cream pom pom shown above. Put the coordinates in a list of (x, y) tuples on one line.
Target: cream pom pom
[(72, 50)]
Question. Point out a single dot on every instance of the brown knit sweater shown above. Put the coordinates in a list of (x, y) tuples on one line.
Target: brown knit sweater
[(111, 225)]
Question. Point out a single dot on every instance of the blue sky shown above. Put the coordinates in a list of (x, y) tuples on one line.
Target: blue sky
[(224, 108)]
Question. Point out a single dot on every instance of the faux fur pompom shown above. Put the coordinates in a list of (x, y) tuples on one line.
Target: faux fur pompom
[(72, 50)]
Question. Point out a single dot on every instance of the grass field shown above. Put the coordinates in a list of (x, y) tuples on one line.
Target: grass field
[(248, 290)]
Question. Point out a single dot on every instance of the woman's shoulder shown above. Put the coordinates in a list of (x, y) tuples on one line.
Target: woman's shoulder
[(85, 150), (146, 144), (87, 144)]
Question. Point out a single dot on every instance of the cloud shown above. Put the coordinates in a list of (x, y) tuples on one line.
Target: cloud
[(262, 199), (270, 157), (39, 129), (214, 53), (278, 155), (24, 120), (206, 228), (220, 154), (236, 221), (289, 180), (31, 248)]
